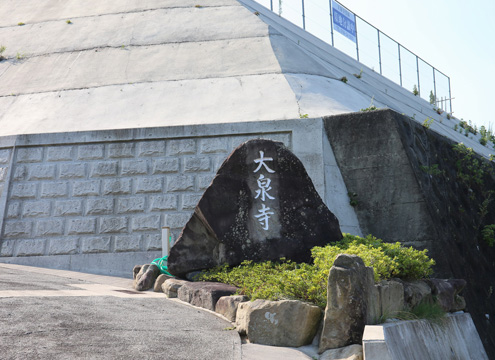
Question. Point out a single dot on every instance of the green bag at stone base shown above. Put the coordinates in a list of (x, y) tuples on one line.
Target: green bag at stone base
[(162, 265)]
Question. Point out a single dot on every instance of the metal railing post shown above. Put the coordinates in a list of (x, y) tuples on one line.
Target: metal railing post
[(417, 68), (379, 51), (303, 15), (331, 21), (434, 86), (400, 66), (450, 97), (271, 5), (357, 44)]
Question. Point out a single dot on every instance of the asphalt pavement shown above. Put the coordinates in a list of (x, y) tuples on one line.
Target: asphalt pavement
[(56, 314)]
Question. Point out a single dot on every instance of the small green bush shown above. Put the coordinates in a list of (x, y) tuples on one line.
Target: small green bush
[(308, 282), (488, 234)]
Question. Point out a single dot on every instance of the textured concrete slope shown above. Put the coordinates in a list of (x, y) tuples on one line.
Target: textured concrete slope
[(168, 62), (155, 63), (454, 337)]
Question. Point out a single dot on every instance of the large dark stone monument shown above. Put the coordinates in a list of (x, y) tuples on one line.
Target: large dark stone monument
[(261, 205)]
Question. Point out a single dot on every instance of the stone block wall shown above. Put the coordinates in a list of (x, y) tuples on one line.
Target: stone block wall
[(107, 197)]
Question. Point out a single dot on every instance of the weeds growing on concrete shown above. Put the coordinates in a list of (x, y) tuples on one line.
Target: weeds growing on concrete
[(372, 107), (21, 23), (2, 50), (343, 79), (20, 56), (68, 22), (415, 90), (427, 123)]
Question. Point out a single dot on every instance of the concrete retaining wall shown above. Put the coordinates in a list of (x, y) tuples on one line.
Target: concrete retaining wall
[(454, 337), (96, 201)]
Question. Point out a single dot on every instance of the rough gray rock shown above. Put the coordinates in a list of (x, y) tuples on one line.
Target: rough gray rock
[(145, 278), (171, 286), (261, 205), (416, 292), (278, 323), (391, 297), (136, 271), (447, 293), (350, 287), (227, 305), (159, 282), (351, 352), (204, 294)]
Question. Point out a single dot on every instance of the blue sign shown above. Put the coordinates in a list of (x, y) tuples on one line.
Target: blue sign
[(344, 21)]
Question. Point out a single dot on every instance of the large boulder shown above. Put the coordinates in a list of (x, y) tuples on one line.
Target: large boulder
[(447, 292), (171, 286), (350, 291), (227, 305), (391, 298), (157, 287), (261, 205), (278, 323), (204, 294), (416, 292), (145, 277)]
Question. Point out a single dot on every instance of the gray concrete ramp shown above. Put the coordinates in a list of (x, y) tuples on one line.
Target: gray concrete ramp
[(454, 337)]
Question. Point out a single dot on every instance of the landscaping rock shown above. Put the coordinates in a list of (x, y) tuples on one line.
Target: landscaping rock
[(391, 297), (159, 282), (204, 294), (278, 323), (136, 271), (261, 205), (145, 278), (351, 352), (171, 286), (416, 292), (447, 293), (350, 288), (227, 305)]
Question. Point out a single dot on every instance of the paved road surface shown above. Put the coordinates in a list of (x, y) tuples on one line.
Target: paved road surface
[(55, 314)]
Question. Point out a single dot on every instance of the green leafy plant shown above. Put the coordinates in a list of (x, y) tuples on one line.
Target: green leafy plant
[(20, 56), (488, 234), (427, 123), (353, 198), (415, 90), (2, 50), (343, 79), (68, 22), (198, 6), (432, 170), (21, 23), (433, 99), (359, 75), (372, 107), (308, 282), (470, 170), (303, 116)]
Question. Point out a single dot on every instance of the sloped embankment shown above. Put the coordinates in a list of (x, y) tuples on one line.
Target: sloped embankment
[(415, 186)]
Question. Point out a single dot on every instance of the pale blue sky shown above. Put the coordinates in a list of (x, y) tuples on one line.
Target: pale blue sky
[(454, 36)]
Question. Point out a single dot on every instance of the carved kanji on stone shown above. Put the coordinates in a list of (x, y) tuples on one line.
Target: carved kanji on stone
[(261, 205)]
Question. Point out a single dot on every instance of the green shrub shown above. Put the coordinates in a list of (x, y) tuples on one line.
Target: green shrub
[(488, 234), (308, 282)]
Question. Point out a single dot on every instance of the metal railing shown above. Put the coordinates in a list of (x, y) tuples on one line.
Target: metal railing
[(370, 46)]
